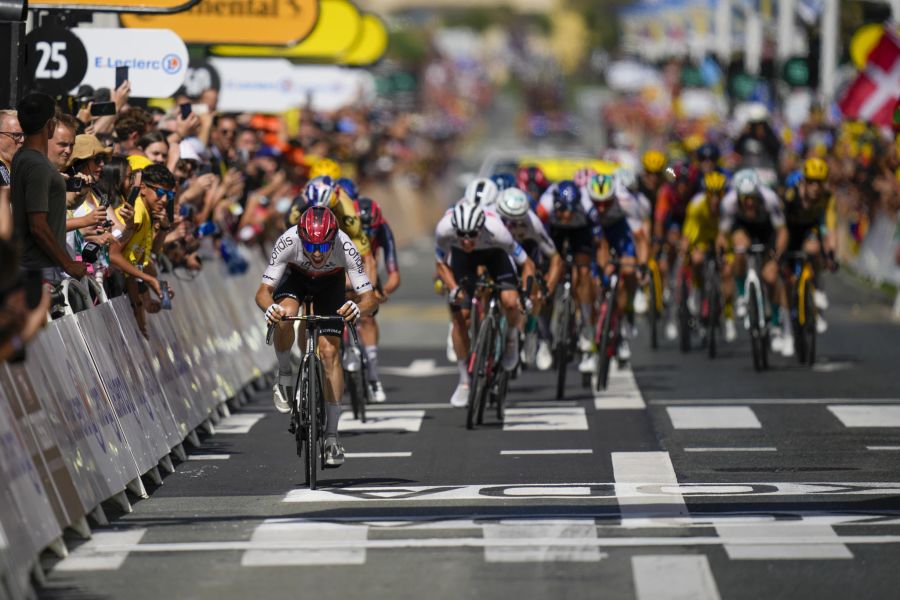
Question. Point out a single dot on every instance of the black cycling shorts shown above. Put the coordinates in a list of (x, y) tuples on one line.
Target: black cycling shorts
[(327, 293), (759, 233), (581, 240), (498, 263)]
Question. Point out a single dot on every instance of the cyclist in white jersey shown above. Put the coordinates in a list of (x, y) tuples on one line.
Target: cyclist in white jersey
[(309, 260), (527, 229), (467, 238)]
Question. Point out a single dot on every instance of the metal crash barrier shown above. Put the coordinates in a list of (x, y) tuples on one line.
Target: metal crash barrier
[(96, 406)]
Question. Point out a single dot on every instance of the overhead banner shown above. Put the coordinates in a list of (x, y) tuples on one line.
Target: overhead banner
[(369, 47), (272, 22), (157, 59), (274, 85), (144, 6), (339, 27)]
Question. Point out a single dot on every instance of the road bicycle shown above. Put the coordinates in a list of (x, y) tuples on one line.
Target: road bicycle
[(308, 403), (757, 321), (799, 278), (606, 335), (707, 321), (562, 324), (355, 363), (654, 292)]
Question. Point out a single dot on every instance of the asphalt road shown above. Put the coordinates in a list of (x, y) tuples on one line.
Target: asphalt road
[(690, 478)]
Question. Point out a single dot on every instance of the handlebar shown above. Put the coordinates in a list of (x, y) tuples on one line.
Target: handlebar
[(316, 319)]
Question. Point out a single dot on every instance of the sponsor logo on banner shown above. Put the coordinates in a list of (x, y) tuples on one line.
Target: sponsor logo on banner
[(157, 59)]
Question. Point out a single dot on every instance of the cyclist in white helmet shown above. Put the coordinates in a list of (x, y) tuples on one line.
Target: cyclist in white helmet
[(466, 239), (514, 208), (752, 213), (482, 192)]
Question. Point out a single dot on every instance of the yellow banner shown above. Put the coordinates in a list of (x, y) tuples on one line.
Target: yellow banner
[(337, 30), (143, 6), (263, 22), (370, 46)]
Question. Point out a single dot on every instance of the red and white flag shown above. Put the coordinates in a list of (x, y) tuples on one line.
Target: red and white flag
[(871, 97)]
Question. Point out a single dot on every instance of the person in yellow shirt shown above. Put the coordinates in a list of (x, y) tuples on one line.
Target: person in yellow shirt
[(700, 236)]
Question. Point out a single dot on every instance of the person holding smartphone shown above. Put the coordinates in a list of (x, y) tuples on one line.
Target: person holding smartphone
[(85, 166)]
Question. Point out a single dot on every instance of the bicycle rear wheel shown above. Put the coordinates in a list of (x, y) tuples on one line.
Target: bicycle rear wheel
[(653, 311), (478, 387), (808, 332), (757, 338), (684, 317), (562, 342), (356, 388), (604, 350), (713, 311)]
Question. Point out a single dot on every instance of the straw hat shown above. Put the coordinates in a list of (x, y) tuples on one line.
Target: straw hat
[(87, 146)]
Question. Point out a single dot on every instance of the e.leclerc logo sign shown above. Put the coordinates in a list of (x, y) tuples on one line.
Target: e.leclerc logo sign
[(156, 59)]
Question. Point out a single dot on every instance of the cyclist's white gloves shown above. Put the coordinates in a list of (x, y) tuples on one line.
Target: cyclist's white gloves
[(350, 311), (274, 313)]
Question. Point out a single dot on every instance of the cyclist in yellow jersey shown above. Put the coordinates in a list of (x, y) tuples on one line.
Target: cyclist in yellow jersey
[(810, 215), (700, 235)]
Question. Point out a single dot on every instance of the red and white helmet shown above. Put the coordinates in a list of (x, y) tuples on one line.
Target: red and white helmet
[(317, 226)]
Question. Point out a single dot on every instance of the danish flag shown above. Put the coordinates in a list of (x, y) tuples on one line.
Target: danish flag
[(872, 96)]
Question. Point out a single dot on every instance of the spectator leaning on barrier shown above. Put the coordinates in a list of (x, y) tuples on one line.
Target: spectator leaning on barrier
[(11, 138), (38, 193), (151, 225), (87, 207)]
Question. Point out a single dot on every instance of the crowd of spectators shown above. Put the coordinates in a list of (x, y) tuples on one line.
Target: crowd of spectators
[(144, 194)]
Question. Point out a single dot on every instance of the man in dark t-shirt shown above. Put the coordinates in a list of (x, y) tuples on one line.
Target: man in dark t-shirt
[(38, 194)]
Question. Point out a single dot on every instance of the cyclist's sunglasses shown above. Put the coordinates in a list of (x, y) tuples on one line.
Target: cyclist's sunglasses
[(470, 235), (324, 247)]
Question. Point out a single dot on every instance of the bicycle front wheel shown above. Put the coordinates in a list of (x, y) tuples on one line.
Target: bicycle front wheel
[(808, 332), (653, 311), (757, 337), (313, 400), (478, 387), (563, 329), (604, 351)]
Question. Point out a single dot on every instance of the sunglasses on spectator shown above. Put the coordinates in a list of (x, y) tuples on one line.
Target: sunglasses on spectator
[(160, 192), (16, 137), (228, 132), (311, 248)]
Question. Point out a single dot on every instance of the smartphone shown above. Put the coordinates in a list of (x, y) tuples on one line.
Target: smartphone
[(185, 110), (121, 76), (103, 109), (170, 210), (135, 190)]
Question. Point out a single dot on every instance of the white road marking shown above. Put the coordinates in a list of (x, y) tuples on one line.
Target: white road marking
[(713, 417), (828, 547), (567, 530), (621, 393), (378, 454), (539, 452), (673, 577), (545, 419), (634, 490), (318, 535), (410, 406), (867, 415), (92, 556), (239, 423), (633, 471), (745, 449), (883, 448), (766, 401), (421, 367), (209, 456), (384, 420)]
